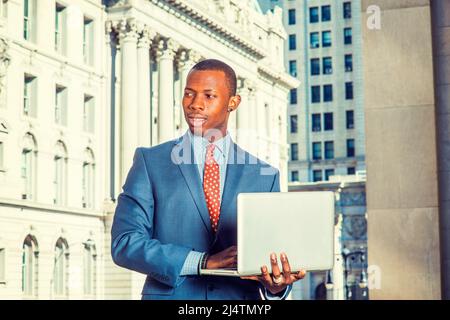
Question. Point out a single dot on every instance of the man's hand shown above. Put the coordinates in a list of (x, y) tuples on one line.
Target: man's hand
[(278, 281), (224, 259)]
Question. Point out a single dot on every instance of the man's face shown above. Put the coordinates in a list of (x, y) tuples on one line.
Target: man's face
[(206, 102)]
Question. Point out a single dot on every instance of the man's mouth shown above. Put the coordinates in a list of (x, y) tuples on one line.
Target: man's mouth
[(196, 121)]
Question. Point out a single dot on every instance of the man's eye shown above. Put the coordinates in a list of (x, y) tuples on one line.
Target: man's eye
[(188, 94), (210, 96)]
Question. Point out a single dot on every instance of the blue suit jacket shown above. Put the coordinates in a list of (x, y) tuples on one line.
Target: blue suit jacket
[(161, 216)]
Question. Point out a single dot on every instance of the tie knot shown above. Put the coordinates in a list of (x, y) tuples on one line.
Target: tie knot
[(210, 152)]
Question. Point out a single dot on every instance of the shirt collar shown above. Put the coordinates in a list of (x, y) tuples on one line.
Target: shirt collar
[(222, 144)]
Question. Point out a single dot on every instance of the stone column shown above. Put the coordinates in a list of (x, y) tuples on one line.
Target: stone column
[(129, 94), (166, 53), (440, 19), (107, 137), (402, 186), (252, 134), (188, 58), (261, 127), (143, 61), (243, 113)]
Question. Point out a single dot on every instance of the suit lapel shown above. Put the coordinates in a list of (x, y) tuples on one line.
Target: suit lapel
[(189, 170)]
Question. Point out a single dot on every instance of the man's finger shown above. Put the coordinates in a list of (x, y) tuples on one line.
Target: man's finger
[(275, 268), (286, 268), (265, 277), (299, 275)]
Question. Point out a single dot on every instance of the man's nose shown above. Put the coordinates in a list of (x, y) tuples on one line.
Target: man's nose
[(197, 103)]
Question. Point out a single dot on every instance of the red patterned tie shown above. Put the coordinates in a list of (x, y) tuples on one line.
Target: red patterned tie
[(211, 186)]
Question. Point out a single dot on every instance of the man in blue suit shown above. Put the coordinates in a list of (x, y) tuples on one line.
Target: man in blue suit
[(177, 212)]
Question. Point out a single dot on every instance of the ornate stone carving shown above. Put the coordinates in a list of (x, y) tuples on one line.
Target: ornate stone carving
[(166, 48), (128, 30), (5, 60), (355, 226)]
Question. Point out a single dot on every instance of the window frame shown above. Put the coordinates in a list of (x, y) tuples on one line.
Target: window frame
[(327, 150), (326, 14)]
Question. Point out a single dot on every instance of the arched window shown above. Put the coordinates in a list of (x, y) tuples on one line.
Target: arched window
[(88, 182), (61, 269), (90, 268), (28, 167), (60, 174), (30, 254)]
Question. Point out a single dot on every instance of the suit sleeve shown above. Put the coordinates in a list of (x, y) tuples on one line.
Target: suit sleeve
[(132, 243)]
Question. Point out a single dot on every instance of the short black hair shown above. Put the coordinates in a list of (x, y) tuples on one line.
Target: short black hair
[(214, 64)]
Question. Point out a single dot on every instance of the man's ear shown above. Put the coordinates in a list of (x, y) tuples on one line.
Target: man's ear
[(234, 102)]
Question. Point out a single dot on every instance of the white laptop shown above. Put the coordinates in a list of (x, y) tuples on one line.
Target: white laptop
[(298, 223)]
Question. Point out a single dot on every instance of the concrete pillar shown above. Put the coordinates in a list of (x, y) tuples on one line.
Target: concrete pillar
[(129, 94), (402, 188), (243, 114), (166, 53), (108, 116), (440, 19), (252, 121), (143, 56), (186, 62)]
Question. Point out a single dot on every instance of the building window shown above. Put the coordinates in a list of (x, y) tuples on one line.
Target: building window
[(349, 90), (90, 266), (327, 65), (61, 268), (292, 42), (317, 175), (29, 95), (294, 151), (29, 17), (316, 125), (294, 124), (347, 10), (294, 176), (61, 105), (291, 16), (88, 41), (328, 121), (349, 117), (328, 174), (2, 265), (328, 93), (351, 170), (293, 96), (326, 13), (293, 68), (315, 67), (60, 174), (60, 29), (348, 36), (28, 167), (314, 14), (314, 40), (30, 254), (315, 94), (88, 114), (326, 39), (348, 63), (317, 150), (350, 147), (88, 181), (329, 150)]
